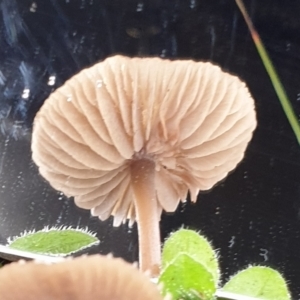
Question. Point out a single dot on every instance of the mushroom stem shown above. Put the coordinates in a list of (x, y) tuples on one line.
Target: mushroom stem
[(143, 177)]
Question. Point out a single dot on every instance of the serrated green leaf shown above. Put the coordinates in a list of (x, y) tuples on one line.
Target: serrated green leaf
[(196, 246), (54, 241), (187, 279), (260, 282)]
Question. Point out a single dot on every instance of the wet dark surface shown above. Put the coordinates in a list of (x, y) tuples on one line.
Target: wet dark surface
[(253, 217)]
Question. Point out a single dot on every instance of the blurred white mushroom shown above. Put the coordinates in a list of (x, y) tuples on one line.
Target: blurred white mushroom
[(89, 277)]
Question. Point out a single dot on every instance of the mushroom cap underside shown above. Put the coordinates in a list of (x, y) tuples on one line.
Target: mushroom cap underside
[(191, 118)]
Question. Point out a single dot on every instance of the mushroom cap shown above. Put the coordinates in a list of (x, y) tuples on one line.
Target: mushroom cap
[(191, 118), (90, 277)]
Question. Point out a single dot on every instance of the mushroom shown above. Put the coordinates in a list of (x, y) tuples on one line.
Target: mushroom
[(129, 137), (90, 277)]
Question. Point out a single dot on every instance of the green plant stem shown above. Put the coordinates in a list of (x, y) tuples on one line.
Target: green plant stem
[(279, 89)]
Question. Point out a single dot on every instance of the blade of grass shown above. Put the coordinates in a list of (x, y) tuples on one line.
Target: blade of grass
[(279, 89)]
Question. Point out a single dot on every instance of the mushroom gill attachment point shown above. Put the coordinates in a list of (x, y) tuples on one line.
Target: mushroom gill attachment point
[(86, 277), (130, 135)]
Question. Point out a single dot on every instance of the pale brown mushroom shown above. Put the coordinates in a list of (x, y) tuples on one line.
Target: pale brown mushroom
[(130, 137), (83, 278)]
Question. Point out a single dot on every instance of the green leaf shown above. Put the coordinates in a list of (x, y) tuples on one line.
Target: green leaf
[(187, 279), (260, 282), (54, 241), (194, 245)]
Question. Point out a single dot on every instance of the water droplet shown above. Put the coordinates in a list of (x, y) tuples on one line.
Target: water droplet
[(82, 6), (26, 93), (232, 241), (99, 83), (82, 40), (193, 4), (51, 80), (251, 225), (140, 7), (36, 51), (264, 253), (163, 53), (33, 7)]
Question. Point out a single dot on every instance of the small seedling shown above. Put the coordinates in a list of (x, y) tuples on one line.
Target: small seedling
[(190, 271)]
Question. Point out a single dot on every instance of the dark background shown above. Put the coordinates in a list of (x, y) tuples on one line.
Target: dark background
[(253, 217)]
